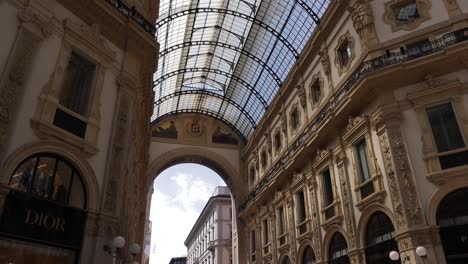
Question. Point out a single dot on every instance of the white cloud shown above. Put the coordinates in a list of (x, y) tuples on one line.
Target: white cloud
[(174, 212)]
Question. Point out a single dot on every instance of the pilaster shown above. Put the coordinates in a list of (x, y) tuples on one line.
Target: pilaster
[(34, 27)]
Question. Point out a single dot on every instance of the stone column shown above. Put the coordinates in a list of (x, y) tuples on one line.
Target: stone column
[(411, 229), (315, 219), (273, 245), (33, 28), (292, 227)]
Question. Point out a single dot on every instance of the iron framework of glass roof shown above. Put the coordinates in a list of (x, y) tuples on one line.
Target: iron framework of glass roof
[(228, 58)]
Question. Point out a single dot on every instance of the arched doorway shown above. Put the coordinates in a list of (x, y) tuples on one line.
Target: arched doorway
[(308, 257), (452, 217), (380, 240), (338, 250)]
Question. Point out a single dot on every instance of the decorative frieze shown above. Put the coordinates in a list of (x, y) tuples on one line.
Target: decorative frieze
[(348, 206), (400, 180)]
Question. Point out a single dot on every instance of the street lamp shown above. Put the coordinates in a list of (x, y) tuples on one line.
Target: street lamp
[(421, 252), (135, 248), (113, 246)]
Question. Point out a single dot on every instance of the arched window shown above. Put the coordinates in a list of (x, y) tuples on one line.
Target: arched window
[(452, 217), (308, 257), (52, 177), (380, 240), (286, 260), (338, 250)]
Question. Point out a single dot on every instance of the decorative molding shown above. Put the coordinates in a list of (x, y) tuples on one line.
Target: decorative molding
[(351, 43), (363, 21), (402, 188), (389, 16), (326, 65), (347, 205), (118, 156), (12, 83), (301, 93)]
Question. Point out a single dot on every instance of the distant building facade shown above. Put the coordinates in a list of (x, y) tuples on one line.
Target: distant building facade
[(210, 240), (179, 260)]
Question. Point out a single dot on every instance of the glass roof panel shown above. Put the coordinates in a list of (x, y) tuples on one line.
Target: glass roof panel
[(228, 58)]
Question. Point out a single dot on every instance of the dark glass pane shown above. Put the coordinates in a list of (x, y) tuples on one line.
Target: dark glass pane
[(62, 182), (277, 141), (379, 253), (379, 229), (367, 189), (338, 251), (70, 123), (77, 84), (407, 12), (316, 91), (281, 221), (286, 260), (453, 160), (445, 128), (252, 241), (345, 53), (327, 187), (452, 217), (22, 177), (265, 232), (363, 160), (43, 179), (302, 209), (308, 257)]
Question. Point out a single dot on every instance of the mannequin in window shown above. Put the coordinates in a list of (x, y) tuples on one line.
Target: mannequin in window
[(26, 177)]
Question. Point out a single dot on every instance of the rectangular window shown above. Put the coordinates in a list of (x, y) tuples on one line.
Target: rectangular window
[(266, 237), (253, 246), (407, 12), (363, 160), (327, 187), (281, 221), (78, 84), (301, 206), (445, 129)]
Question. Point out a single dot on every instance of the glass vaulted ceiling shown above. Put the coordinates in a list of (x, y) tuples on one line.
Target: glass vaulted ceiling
[(228, 58)]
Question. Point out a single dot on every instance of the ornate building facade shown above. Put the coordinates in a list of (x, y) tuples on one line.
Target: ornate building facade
[(357, 157), (210, 240), (340, 127), (75, 99)]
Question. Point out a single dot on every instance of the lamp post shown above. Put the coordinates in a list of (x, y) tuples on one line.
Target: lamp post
[(135, 248), (113, 247), (420, 251)]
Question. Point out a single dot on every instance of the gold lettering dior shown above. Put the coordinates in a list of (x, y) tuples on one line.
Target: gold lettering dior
[(49, 222)]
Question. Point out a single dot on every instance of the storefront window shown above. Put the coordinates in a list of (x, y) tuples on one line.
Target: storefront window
[(17, 252), (51, 177)]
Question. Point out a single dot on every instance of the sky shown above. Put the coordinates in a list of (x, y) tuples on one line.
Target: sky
[(180, 193)]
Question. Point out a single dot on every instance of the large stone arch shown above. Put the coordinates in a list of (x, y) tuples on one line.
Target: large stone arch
[(202, 156), (365, 217), (54, 147)]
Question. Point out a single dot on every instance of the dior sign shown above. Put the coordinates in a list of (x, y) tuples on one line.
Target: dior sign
[(31, 218)]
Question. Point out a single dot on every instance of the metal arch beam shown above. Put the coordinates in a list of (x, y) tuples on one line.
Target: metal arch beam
[(210, 70), (309, 11), (208, 113), (233, 13), (207, 93), (227, 46)]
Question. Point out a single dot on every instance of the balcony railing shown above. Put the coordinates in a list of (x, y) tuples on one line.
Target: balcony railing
[(367, 67), (131, 13)]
